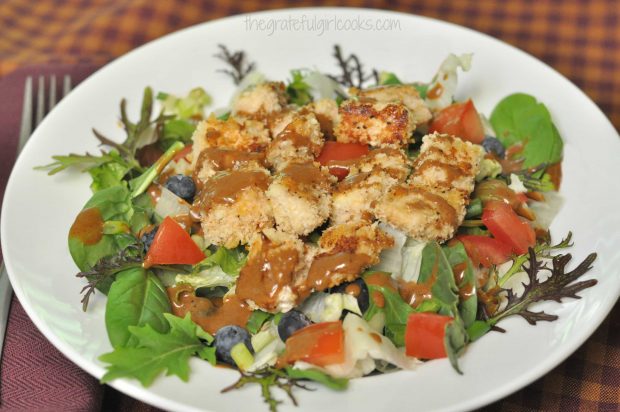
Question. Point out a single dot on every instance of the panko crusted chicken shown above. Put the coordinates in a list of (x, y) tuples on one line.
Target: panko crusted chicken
[(260, 101), (431, 205), (246, 136), (300, 197), (344, 252), (300, 141), (282, 271), (383, 116), (214, 160), (369, 178), (277, 263), (398, 93), (233, 207)]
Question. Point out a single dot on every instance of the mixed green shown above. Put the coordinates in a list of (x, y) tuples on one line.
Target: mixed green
[(471, 280)]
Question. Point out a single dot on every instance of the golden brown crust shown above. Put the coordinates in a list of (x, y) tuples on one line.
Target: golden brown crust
[(376, 124)]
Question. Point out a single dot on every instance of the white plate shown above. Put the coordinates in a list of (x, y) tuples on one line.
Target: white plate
[(38, 210)]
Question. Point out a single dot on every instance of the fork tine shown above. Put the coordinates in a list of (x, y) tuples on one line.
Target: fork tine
[(52, 96), (26, 125), (40, 100), (66, 85)]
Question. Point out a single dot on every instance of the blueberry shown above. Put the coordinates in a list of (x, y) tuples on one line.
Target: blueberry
[(493, 145), (147, 238), (356, 288), (182, 186), (291, 322), (228, 336)]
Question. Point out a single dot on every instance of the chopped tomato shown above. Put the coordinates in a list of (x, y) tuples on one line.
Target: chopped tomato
[(461, 120), (507, 227), (424, 335), (485, 251), (336, 151), (172, 245), (320, 344)]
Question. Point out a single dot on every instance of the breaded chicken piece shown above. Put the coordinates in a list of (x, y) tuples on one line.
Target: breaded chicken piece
[(300, 141), (233, 207), (451, 150), (275, 261), (374, 123), (417, 212), (369, 178), (300, 197), (432, 204), (276, 122), (326, 112), (397, 93), (345, 251), (249, 136), (260, 100), (214, 160)]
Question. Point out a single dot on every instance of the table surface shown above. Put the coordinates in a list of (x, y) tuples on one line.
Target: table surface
[(580, 39)]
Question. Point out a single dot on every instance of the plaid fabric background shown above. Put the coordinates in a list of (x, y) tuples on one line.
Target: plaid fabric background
[(581, 39)]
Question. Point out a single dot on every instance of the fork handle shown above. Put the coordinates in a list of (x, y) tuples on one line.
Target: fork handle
[(5, 303)]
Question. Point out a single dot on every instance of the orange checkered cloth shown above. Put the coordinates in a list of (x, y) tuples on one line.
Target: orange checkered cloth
[(581, 39)]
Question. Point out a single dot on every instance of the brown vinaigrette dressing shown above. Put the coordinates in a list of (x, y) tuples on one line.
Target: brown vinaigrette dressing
[(225, 189), (223, 159), (324, 267), (466, 290), (209, 314), (379, 279), (452, 173), (154, 191), (414, 293), (88, 226), (304, 173), (353, 289), (297, 139), (266, 273), (376, 337), (435, 92)]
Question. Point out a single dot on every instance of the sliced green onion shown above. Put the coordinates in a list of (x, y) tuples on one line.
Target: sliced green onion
[(242, 356)]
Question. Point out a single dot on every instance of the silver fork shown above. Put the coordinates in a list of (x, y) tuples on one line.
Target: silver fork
[(26, 127)]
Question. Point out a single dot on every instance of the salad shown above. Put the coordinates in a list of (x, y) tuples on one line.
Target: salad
[(324, 228)]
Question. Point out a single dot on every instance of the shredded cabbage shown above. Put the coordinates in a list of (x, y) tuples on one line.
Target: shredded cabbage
[(391, 259), (322, 86), (516, 184), (446, 80), (325, 307), (211, 277), (547, 210), (250, 80)]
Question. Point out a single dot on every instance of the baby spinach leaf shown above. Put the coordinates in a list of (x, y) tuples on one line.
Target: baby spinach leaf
[(455, 340), (468, 302), (436, 272), (136, 298), (396, 311), (519, 118), (156, 352), (89, 244), (477, 329)]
